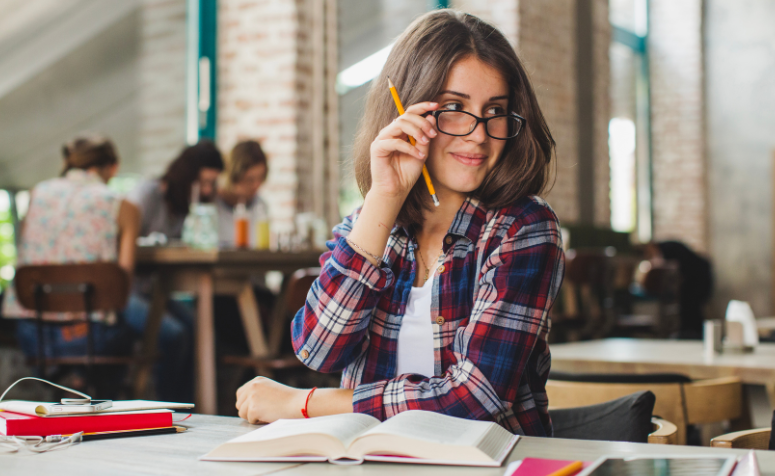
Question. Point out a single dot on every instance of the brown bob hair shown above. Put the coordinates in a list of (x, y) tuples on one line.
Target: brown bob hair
[(245, 155), (87, 151), (418, 66)]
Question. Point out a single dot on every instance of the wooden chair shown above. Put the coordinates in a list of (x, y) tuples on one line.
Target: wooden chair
[(682, 403), (294, 296), (758, 439), (661, 285), (75, 288), (586, 309)]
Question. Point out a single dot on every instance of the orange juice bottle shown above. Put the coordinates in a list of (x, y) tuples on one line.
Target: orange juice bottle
[(241, 231)]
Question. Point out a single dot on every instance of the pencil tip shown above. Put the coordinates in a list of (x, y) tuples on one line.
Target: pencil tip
[(390, 83), (435, 200)]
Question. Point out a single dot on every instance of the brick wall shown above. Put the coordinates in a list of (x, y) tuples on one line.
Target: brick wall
[(547, 48), (162, 83), (677, 124), (258, 90)]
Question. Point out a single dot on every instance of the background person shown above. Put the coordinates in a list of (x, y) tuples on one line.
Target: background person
[(246, 171), (164, 202), (448, 311)]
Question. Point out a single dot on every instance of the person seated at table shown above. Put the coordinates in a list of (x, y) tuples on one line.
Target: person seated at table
[(77, 218), (164, 202), (439, 308), (246, 171)]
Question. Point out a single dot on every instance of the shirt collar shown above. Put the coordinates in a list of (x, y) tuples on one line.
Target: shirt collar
[(83, 176), (467, 223)]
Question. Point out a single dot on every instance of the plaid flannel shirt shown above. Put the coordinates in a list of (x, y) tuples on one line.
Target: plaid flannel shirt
[(500, 273)]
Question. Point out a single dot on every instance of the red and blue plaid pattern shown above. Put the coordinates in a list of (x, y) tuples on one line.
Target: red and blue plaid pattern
[(502, 271)]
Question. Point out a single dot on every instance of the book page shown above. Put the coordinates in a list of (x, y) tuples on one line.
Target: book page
[(434, 427), (344, 428), (431, 435)]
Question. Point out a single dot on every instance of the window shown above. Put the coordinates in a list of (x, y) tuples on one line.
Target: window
[(628, 129), (367, 30)]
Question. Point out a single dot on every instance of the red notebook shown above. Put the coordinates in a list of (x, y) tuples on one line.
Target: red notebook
[(18, 424), (541, 467)]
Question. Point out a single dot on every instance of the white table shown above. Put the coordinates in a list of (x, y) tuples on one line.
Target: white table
[(177, 455), (680, 356)]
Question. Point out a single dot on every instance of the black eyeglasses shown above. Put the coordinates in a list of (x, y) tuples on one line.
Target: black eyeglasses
[(461, 123)]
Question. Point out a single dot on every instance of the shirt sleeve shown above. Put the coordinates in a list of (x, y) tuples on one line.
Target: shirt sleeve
[(519, 281), (331, 330)]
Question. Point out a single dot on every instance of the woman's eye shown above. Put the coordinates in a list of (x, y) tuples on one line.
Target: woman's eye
[(495, 111), (453, 106)]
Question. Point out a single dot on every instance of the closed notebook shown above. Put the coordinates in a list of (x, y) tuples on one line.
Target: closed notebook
[(28, 425), (538, 466), (409, 437)]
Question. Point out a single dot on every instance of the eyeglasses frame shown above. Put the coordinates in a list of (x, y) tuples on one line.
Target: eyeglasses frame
[(483, 120)]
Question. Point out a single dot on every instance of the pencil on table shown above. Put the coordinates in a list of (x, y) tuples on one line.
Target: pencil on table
[(425, 174), (569, 470)]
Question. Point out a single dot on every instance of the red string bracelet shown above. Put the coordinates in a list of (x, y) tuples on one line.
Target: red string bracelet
[(304, 410)]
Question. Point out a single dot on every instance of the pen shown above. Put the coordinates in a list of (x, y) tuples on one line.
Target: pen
[(569, 470), (425, 174)]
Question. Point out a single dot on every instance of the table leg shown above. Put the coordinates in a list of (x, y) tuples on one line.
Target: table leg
[(251, 320), (159, 297), (206, 401)]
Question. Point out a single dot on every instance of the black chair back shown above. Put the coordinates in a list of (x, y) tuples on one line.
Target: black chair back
[(624, 419)]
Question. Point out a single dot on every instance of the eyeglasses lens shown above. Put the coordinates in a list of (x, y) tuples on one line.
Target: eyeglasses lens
[(460, 124)]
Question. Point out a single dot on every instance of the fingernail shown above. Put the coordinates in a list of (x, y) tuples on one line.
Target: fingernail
[(434, 104), (432, 133), (421, 154), (424, 140)]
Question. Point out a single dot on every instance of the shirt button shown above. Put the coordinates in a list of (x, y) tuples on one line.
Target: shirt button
[(439, 320), (304, 354), (441, 269), (448, 240)]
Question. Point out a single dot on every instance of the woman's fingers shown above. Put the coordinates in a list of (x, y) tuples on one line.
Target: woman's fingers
[(388, 146)]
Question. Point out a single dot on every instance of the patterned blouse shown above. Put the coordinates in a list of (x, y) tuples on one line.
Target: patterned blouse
[(500, 273), (71, 219)]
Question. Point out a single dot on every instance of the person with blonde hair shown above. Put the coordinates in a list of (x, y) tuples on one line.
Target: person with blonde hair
[(437, 308), (246, 171)]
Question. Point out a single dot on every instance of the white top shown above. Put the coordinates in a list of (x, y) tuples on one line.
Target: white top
[(415, 338)]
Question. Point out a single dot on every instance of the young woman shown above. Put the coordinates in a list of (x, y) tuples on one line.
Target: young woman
[(164, 202), (246, 172), (437, 308)]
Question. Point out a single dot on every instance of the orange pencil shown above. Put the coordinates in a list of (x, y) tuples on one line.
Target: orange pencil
[(425, 174), (569, 470)]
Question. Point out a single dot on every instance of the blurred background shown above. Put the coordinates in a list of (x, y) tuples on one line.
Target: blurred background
[(663, 112)]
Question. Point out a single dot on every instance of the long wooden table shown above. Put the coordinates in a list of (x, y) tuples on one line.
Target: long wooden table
[(680, 356), (178, 454), (206, 273)]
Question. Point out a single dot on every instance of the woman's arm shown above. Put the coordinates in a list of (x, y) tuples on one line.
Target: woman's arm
[(262, 400), (331, 330), (128, 229)]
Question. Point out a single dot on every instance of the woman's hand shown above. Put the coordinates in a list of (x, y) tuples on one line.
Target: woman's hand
[(263, 400), (395, 163)]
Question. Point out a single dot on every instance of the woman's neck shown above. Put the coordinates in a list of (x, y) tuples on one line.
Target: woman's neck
[(231, 197), (438, 219)]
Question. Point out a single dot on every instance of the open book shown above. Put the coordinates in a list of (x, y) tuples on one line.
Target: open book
[(409, 437)]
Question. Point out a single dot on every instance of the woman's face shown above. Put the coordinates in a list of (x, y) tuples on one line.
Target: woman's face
[(207, 183), (459, 164), (251, 181)]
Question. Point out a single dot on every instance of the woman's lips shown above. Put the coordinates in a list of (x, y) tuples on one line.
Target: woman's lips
[(473, 160)]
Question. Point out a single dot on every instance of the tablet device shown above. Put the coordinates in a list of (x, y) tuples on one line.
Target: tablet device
[(662, 466)]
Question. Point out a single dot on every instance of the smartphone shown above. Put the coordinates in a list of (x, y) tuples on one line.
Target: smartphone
[(91, 407)]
